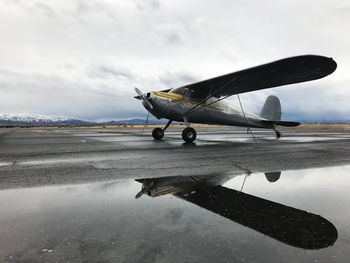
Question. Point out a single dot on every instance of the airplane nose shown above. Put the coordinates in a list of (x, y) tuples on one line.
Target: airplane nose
[(143, 97)]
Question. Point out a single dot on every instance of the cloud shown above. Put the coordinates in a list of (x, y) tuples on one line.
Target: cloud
[(172, 34), (98, 50), (177, 79), (106, 71), (54, 95), (144, 4), (48, 11), (229, 56)]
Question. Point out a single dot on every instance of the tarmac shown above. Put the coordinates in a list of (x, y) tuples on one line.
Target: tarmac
[(116, 195), (38, 156)]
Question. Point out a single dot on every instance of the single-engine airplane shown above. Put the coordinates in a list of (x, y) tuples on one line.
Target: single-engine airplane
[(201, 102)]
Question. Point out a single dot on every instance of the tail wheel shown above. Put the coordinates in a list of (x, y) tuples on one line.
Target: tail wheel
[(158, 133), (278, 134), (189, 134)]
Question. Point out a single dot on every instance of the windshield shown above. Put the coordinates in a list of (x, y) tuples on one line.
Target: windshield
[(180, 91)]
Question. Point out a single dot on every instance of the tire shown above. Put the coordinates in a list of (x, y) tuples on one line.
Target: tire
[(189, 134), (158, 134), (278, 135)]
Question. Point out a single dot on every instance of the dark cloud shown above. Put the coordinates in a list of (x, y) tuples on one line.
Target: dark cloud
[(106, 71), (32, 6), (46, 9), (84, 9), (172, 34), (229, 56), (177, 79), (174, 38), (144, 4)]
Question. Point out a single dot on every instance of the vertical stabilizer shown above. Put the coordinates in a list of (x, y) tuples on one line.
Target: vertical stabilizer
[(271, 109)]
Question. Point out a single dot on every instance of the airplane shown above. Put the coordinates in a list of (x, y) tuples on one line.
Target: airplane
[(202, 102), (286, 224)]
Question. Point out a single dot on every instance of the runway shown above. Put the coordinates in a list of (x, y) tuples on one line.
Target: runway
[(66, 156), (116, 195)]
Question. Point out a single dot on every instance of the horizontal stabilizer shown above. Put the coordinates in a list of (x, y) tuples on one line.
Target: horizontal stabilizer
[(287, 123), (284, 123)]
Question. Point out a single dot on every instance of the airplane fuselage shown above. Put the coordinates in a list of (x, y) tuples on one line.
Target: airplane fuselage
[(173, 106)]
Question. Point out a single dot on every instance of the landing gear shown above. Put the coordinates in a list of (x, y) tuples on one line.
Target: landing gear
[(189, 134), (278, 133), (158, 133)]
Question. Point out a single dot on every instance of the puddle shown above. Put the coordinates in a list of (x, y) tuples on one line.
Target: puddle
[(5, 163), (299, 216)]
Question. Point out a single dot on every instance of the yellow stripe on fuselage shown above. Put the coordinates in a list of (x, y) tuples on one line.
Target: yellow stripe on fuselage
[(168, 95), (179, 97), (170, 191)]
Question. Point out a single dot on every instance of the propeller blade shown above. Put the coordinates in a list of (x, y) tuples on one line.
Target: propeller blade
[(139, 92), (139, 194), (145, 188), (142, 97)]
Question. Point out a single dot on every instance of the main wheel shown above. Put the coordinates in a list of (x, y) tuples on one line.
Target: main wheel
[(189, 134), (158, 133)]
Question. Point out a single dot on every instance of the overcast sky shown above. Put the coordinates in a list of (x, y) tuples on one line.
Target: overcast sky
[(82, 59)]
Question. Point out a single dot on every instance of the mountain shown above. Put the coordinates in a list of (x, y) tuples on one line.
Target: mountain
[(30, 119), (134, 121), (42, 120)]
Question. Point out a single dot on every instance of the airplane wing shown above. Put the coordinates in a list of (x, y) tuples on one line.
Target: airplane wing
[(284, 223), (274, 74)]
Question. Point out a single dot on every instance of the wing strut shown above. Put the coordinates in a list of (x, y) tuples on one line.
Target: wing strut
[(245, 177), (144, 126), (248, 129)]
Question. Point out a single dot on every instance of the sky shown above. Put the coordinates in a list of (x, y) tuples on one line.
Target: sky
[(82, 59)]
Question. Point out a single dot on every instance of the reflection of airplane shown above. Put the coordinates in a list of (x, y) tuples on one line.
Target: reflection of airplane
[(201, 102), (286, 224)]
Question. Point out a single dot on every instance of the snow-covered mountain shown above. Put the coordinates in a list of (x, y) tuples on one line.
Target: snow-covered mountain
[(31, 119)]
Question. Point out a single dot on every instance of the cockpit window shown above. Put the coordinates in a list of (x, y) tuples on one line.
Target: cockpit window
[(180, 91), (189, 93)]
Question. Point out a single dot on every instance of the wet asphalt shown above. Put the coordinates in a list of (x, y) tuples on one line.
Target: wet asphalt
[(116, 195), (37, 157)]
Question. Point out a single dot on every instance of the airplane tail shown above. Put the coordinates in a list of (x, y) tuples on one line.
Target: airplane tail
[(271, 111)]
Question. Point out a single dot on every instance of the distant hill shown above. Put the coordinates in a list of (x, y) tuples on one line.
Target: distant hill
[(42, 120), (134, 121), (28, 119)]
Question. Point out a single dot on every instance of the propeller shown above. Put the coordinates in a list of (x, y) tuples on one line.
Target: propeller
[(141, 96), (145, 188)]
